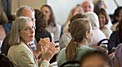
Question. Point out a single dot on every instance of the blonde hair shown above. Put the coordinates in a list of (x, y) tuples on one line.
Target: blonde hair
[(77, 29), (16, 28)]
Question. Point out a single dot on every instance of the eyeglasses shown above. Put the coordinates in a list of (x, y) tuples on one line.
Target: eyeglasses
[(29, 28)]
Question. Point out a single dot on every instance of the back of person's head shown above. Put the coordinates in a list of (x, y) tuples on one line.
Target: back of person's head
[(87, 6), (25, 11), (93, 18), (117, 14), (18, 25), (77, 28), (37, 13), (40, 21), (95, 58)]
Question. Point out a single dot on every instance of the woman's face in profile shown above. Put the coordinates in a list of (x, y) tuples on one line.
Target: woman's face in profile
[(94, 61), (27, 33)]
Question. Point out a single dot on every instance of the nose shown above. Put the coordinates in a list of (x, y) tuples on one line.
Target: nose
[(32, 30)]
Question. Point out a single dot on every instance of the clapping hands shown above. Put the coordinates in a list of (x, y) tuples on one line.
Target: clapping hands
[(47, 48)]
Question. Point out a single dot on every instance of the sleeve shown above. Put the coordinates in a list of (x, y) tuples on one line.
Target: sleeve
[(61, 58), (113, 41), (57, 32), (27, 60), (45, 64)]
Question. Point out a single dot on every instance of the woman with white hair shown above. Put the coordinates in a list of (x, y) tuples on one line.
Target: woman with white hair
[(97, 34), (20, 53)]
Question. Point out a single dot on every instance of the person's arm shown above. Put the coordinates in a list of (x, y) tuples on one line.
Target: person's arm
[(45, 63), (47, 56), (25, 59)]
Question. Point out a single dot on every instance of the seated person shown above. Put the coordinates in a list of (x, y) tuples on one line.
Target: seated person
[(80, 30), (97, 34), (20, 53)]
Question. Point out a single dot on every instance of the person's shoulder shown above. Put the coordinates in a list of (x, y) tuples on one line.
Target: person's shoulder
[(19, 47), (62, 50), (86, 48)]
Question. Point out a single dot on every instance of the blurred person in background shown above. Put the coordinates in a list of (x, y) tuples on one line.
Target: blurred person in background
[(97, 34), (95, 58), (51, 25), (40, 31), (117, 16), (87, 6), (103, 20)]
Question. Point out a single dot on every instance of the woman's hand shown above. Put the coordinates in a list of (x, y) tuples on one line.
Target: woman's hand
[(42, 46), (51, 51)]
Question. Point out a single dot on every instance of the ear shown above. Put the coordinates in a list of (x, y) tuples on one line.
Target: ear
[(87, 35)]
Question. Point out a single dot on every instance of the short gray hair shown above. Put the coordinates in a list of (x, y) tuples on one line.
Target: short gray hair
[(18, 24), (20, 10)]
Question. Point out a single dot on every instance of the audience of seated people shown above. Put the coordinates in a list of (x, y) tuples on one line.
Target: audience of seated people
[(80, 35), (51, 25)]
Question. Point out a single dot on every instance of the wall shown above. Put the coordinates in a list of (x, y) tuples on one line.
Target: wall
[(32, 3), (61, 8)]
